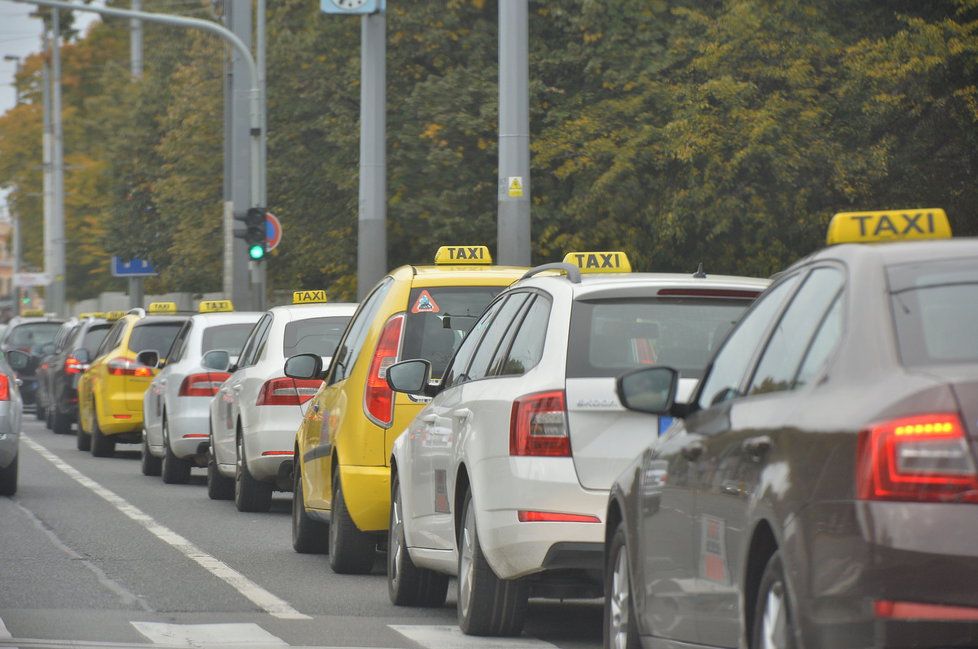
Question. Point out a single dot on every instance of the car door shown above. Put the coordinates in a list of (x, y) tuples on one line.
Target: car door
[(154, 401), (667, 513), (224, 416)]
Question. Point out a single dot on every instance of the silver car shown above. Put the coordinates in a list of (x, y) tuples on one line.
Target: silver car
[(11, 409)]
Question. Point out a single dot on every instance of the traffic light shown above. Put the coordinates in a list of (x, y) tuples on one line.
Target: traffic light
[(254, 233)]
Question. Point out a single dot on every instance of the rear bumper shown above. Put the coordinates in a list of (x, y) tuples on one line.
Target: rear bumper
[(188, 419), (270, 440), (367, 493)]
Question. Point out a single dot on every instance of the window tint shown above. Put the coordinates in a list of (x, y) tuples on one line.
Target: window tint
[(730, 365), (157, 336), (228, 337), (795, 330), (464, 354), (93, 337), (318, 336), (437, 319), (829, 334), (479, 368), (526, 349), (349, 348)]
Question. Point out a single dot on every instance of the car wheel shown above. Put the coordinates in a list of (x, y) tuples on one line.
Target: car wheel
[(619, 618), (83, 440), (487, 605), (309, 536), (8, 478), (150, 465), (102, 446), (250, 495), (219, 487), (39, 410), (49, 419), (351, 552), (61, 423), (774, 625), (407, 584), (173, 469)]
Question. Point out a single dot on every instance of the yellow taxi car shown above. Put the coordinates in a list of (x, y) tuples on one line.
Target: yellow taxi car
[(341, 476), (110, 392)]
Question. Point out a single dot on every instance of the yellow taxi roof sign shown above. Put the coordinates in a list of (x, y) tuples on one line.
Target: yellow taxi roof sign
[(114, 315), (162, 307), (888, 225), (309, 297), (82, 316), (215, 306), (463, 255), (32, 313), (599, 262)]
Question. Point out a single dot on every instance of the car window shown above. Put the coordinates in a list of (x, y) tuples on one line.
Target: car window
[(111, 341), (526, 348), (261, 343), (455, 373), (318, 336), (484, 353), (179, 344), (157, 336), (356, 333), (795, 329), (248, 355), (729, 367), (828, 336), (228, 337), (93, 338), (33, 334)]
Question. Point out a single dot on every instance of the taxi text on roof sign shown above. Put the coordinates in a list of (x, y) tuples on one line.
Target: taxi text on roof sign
[(463, 255), (33, 313), (215, 306), (890, 225), (114, 315), (162, 307), (599, 262), (308, 297)]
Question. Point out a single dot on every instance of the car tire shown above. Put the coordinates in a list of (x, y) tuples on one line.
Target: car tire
[(8, 478), (61, 423), (774, 626), (173, 469), (39, 410), (49, 419), (351, 552), (250, 495), (150, 465), (407, 584), (619, 617), (219, 487), (487, 605), (309, 536), (83, 440), (102, 446)]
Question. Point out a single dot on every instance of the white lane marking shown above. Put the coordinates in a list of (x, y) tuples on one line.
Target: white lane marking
[(209, 635), (256, 594), (125, 596), (4, 634), (451, 637)]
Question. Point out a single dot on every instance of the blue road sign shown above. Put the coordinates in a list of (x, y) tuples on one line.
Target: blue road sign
[(132, 268), (354, 7)]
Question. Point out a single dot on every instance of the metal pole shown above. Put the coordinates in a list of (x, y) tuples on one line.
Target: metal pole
[(259, 273), (513, 224), (238, 14), (15, 221), (47, 139), (56, 290), (136, 41), (372, 221)]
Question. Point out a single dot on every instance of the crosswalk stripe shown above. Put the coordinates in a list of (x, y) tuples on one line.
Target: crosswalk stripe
[(451, 637), (209, 635)]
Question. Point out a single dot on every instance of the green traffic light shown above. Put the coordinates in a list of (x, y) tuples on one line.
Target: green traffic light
[(256, 251)]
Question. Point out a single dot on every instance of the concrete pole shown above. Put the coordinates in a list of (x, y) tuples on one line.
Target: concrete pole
[(513, 216), (136, 68), (260, 269), (15, 221), (56, 290), (372, 222), (238, 16), (47, 139)]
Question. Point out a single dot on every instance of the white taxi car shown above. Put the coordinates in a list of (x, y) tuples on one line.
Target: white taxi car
[(503, 478), (176, 407), (256, 412)]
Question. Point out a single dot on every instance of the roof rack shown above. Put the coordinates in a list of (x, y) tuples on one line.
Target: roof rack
[(573, 272), (137, 311)]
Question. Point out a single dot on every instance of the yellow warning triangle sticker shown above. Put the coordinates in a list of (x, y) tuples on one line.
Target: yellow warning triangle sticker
[(425, 304)]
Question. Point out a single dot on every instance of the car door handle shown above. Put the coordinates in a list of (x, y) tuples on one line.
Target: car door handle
[(693, 450), (757, 446)]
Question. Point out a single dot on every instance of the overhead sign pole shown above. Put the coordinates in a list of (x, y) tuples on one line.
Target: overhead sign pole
[(136, 69)]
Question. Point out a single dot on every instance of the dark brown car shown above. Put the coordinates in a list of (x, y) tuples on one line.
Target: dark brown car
[(820, 488)]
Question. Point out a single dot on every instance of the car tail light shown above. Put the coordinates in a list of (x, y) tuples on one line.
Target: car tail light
[(4, 388), (205, 384), (538, 426), (74, 366), (525, 516), (284, 391), (378, 398), (920, 458), (126, 367), (918, 611)]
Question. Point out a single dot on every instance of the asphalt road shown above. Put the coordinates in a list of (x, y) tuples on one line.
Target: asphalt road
[(94, 554)]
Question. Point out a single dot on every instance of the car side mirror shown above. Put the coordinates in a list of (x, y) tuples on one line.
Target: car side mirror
[(82, 355), (410, 377), (649, 389), (17, 360), (304, 366), (148, 357), (217, 359)]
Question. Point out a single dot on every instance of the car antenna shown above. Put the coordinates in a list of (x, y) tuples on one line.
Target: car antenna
[(699, 274)]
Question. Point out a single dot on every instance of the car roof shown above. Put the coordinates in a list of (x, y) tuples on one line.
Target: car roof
[(161, 319), (597, 282), (314, 310), (226, 316), (452, 275), (898, 252)]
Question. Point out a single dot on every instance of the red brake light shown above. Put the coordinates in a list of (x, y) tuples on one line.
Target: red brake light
[(74, 366), (378, 398), (918, 611), (920, 458), (284, 391), (538, 426), (205, 384), (4, 388), (525, 516), (709, 292), (126, 367)]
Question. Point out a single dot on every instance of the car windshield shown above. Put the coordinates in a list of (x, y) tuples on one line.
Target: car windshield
[(439, 318), (608, 337), (318, 336), (935, 311), (229, 337), (154, 336), (32, 334)]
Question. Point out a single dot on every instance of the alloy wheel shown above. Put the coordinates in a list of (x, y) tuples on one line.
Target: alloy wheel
[(466, 562), (619, 601), (774, 624)]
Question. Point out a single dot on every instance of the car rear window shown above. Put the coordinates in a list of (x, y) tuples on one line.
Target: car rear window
[(94, 337), (31, 334), (157, 336), (608, 337), (318, 336), (228, 337), (438, 318), (935, 311)]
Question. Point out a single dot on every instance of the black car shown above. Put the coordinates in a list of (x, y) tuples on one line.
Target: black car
[(59, 371), (30, 335), (820, 488)]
